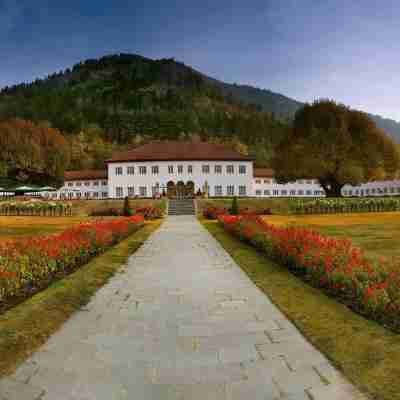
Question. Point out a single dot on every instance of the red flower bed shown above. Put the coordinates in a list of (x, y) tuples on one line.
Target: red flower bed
[(334, 265), (26, 264)]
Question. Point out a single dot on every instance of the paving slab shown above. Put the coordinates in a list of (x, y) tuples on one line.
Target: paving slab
[(181, 321)]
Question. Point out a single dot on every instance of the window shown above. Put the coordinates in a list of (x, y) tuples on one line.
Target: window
[(119, 191), (70, 184), (218, 169), (373, 190), (155, 190), (218, 190), (357, 191), (300, 182), (142, 170), (309, 182), (104, 194), (276, 192), (283, 192), (190, 169), (366, 191), (205, 169), (78, 195), (258, 192), (170, 169), (350, 192), (258, 182), (70, 195), (309, 193), (143, 191), (229, 169), (96, 183), (385, 190), (392, 190), (267, 192), (104, 183), (130, 170), (87, 194), (316, 193), (131, 191), (300, 192), (230, 190), (267, 181), (96, 194), (242, 191), (87, 183), (154, 170), (180, 169), (242, 169), (118, 170)]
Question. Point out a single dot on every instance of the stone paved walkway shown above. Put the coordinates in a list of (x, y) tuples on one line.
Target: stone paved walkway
[(181, 322)]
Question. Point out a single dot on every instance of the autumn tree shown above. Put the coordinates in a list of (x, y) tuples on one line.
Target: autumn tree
[(32, 152), (336, 145)]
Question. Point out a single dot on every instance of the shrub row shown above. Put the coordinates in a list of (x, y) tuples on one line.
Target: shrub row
[(215, 212), (325, 206), (35, 208), (328, 263), (27, 265), (149, 213)]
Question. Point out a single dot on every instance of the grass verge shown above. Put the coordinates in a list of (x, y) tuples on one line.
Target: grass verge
[(368, 354), (24, 328)]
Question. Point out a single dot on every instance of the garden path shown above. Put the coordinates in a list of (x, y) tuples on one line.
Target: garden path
[(180, 322)]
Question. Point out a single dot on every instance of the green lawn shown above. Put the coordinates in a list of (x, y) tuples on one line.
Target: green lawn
[(377, 233), (367, 353), (276, 205)]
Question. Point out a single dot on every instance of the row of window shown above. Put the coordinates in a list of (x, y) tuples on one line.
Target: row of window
[(289, 192), (142, 191), (88, 183), (300, 182), (361, 192), (79, 195), (205, 169)]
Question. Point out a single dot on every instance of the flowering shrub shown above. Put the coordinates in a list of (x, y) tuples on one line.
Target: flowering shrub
[(328, 263), (149, 212), (35, 208), (214, 212), (340, 205), (28, 264)]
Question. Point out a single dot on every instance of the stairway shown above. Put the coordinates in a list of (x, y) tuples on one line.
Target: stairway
[(181, 207)]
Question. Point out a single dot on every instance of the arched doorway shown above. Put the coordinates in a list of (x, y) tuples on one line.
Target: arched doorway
[(180, 190), (190, 189), (171, 189)]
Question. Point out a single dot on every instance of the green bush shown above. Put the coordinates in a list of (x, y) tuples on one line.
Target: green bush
[(234, 210), (127, 212)]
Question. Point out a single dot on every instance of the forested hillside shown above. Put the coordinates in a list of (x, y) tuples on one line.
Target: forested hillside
[(127, 99), (120, 101)]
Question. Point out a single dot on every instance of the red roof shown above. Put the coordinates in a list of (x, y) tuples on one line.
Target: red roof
[(263, 173), (85, 175), (180, 151)]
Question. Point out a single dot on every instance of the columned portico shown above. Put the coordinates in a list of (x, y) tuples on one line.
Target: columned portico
[(180, 189)]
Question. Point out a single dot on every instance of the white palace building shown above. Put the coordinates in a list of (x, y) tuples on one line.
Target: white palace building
[(183, 169)]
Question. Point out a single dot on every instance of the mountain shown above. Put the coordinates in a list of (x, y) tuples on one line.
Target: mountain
[(128, 99), (284, 107)]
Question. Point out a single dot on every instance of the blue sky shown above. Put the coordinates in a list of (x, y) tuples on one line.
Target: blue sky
[(305, 49)]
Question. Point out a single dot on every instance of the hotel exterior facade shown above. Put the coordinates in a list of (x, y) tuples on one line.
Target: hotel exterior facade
[(180, 169)]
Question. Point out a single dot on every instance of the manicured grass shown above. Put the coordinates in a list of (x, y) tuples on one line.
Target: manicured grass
[(368, 354), (86, 207), (16, 227), (377, 233), (24, 328), (276, 205)]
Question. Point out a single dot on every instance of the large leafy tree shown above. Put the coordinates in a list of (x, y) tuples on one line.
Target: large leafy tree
[(337, 146)]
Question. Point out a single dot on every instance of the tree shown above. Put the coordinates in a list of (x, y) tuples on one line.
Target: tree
[(336, 145), (127, 211)]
